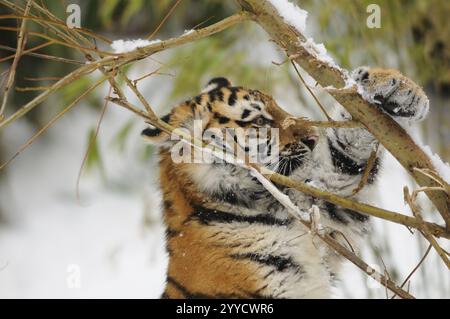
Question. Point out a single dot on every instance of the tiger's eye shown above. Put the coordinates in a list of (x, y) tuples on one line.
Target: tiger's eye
[(260, 121)]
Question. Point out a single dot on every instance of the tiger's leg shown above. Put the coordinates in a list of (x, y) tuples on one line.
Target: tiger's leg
[(347, 150), (396, 95)]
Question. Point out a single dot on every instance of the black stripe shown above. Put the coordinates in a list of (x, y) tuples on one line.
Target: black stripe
[(338, 214), (345, 164), (186, 293), (167, 203), (196, 295), (241, 198), (166, 118), (256, 295), (152, 132), (279, 262), (216, 94), (356, 216), (231, 197), (169, 250), (241, 123), (220, 82), (171, 233), (256, 106), (222, 119), (165, 296), (233, 96), (245, 114), (207, 216), (334, 214), (390, 108)]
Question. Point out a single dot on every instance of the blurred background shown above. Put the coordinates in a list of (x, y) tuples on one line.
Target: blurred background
[(109, 242)]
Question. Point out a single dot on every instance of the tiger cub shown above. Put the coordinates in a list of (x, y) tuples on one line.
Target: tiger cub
[(227, 237)]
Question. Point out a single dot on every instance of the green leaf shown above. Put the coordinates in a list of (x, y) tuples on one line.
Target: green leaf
[(106, 11), (120, 139), (147, 153), (72, 91), (94, 158)]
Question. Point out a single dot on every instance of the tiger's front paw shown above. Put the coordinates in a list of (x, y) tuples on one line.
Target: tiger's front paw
[(396, 94)]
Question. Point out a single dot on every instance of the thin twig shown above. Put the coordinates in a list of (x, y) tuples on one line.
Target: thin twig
[(311, 92), (44, 78), (32, 88), (415, 268), (53, 121), (40, 46), (302, 122), (12, 71), (150, 74), (45, 56), (126, 58), (366, 174), (58, 23), (172, 9), (423, 227), (91, 144)]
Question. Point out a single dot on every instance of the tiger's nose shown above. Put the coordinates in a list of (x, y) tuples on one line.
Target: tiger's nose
[(310, 141)]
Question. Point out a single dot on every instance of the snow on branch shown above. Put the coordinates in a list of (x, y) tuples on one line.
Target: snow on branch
[(291, 14), (123, 46), (442, 167)]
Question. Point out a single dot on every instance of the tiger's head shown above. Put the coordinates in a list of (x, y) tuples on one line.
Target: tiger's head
[(235, 120)]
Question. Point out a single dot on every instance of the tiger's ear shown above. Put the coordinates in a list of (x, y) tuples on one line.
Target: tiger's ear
[(154, 135), (216, 83)]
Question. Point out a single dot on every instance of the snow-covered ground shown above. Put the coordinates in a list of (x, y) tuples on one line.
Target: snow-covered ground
[(107, 244), (50, 237)]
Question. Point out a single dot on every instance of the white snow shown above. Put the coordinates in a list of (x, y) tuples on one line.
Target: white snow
[(291, 13), (112, 243), (123, 46), (295, 16), (319, 51), (442, 168), (349, 81), (186, 32)]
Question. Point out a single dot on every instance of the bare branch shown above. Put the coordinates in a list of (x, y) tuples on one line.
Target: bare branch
[(424, 230)]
